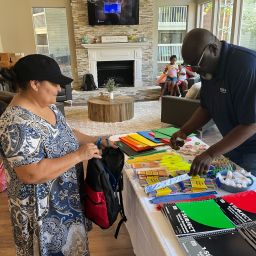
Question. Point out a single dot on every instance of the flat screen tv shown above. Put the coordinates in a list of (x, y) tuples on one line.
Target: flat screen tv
[(113, 12)]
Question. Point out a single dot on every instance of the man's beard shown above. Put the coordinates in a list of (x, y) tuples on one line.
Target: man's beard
[(206, 76)]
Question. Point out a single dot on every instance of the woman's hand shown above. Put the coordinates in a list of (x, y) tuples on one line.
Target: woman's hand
[(201, 164), (88, 151), (106, 142)]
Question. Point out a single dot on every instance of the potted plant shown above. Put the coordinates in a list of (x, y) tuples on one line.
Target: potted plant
[(111, 85)]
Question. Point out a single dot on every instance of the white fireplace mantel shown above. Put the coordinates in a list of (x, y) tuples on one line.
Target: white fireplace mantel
[(116, 52)]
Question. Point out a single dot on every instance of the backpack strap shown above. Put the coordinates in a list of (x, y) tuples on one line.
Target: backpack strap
[(122, 213)]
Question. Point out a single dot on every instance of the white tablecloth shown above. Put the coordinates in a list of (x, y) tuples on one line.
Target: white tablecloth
[(149, 232)]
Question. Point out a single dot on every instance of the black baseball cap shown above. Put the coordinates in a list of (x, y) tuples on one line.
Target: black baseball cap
[(39, 67)]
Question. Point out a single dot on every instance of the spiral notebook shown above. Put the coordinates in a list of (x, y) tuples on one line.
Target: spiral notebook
[(204, 228), (236, 213), (228, 243)]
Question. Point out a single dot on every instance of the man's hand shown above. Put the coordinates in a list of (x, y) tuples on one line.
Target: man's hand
[(177, 140), (201, 164)]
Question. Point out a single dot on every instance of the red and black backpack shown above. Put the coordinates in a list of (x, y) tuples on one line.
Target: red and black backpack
[(103, 186)]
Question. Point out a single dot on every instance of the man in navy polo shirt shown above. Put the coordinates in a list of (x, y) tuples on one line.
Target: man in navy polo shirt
[(228, 96)]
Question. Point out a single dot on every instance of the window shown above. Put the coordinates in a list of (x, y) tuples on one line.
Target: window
[(172, 27), (206, 15), (225, 20), (37, 10), (41, 39), (247, 36), (51, 35)]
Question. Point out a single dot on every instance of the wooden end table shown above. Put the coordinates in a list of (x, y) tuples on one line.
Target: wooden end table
[(119, 109)]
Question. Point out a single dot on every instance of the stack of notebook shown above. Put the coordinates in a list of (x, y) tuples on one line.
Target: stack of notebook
[(221, 226), (145, 141)]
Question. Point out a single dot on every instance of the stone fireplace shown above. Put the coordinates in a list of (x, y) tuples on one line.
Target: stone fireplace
[(121, 56)]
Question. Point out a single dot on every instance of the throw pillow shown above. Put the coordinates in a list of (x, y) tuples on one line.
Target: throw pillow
[(194, 91)]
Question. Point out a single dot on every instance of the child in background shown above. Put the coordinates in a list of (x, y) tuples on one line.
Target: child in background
[(181, 85), (185, 72), (171, 70)]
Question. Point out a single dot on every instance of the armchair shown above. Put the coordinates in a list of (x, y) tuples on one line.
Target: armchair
[(176, 111)]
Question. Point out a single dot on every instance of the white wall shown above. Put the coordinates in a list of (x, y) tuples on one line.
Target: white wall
[(16, 28)]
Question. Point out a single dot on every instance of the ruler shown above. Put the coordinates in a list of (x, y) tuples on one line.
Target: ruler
[(179, 197), (166, 183)]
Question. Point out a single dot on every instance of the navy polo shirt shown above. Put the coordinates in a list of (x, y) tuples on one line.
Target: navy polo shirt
[(230, 97)]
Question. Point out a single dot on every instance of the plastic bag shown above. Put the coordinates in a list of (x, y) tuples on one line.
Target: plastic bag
[(161, 79)]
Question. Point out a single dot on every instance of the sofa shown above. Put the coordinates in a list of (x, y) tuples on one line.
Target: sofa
[(176, 111), (6, 97)]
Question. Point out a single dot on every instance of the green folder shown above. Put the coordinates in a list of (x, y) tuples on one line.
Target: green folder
[(207, 213), (167, 132)]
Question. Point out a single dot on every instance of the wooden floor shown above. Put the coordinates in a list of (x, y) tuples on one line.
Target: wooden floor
[(102, 242)]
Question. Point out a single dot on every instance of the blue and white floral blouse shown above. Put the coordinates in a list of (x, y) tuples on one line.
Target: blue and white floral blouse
[(47, 218)]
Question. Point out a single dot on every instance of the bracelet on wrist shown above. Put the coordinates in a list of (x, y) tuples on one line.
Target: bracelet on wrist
[(98, 143)]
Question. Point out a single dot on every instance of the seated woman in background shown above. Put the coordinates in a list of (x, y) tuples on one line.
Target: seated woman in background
[(42, 156)]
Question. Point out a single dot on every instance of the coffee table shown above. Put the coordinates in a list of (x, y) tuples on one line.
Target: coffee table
[(119, 109)]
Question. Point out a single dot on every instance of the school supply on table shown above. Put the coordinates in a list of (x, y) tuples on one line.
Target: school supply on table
[(193, 149), (234, 181), (173, 163), (148, 135), (248, 232), (228, 243), (149, 158), (166, 183), (168, 132), (234, 213), (182, 197), (196, 217), (159, 172), (143, 140), (243, 200), (130, 152), (148, 153), (145, 165), (240, 207), (102, 184), (135, 145)]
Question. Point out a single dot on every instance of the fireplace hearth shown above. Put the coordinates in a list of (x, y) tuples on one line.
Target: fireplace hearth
[(121, 71), (117, 52)]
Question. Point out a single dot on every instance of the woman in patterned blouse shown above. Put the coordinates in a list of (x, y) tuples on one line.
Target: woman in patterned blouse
[(41, 154)]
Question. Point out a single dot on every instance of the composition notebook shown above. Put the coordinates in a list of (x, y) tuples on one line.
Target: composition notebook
[(191, 218), (228, 243)]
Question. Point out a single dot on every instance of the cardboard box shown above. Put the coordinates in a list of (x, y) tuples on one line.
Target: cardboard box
[(9, 59)]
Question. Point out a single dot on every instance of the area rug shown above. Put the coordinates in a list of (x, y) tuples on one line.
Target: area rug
[(147, 116)]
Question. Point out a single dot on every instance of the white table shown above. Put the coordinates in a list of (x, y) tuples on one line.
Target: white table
[(149, 231)]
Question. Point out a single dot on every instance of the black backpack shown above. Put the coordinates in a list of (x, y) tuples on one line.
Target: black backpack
[(103, 183), (88, 83)]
